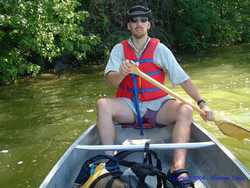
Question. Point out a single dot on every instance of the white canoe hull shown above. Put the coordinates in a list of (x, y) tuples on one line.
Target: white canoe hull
[(213, 166)]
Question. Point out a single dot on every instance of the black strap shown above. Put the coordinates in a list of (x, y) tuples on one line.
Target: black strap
[(141, 174), (147, 155), (177, 173), (123, 154), (141, 170), (111, 165)]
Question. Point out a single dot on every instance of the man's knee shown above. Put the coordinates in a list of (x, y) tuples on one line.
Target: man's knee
[(102, 105), (186, 111)]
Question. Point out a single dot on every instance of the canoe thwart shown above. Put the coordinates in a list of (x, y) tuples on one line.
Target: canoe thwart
[(168, 146)]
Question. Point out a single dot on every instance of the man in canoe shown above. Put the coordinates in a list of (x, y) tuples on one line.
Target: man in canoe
[(139, 101)]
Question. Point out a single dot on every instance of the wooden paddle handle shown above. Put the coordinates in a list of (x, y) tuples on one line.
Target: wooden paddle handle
[(136, 71)]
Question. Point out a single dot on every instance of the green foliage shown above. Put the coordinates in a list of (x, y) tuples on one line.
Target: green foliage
[(192, 27), (11, 65), (227, 28), (107, 20), (35, 32), (181, 24), (45, 29)]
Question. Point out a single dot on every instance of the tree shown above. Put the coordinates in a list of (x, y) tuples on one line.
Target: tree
[(32, 32)]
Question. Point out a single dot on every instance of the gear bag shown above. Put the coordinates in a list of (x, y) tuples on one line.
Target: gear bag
[(108, 171)]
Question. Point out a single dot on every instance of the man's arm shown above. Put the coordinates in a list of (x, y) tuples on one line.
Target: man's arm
[(112, 71), (193, 92), (114, 78)]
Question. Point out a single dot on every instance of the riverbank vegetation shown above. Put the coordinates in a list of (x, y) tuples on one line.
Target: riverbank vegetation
[(53, 34)]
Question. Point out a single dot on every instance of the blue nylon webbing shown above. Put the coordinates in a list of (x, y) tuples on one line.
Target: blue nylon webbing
[(145, 60), (136, 103), (141, 90)]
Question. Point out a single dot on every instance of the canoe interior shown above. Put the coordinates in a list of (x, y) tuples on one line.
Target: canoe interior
[(212, 167)]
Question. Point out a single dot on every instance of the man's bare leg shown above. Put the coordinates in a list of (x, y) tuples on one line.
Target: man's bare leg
[(181, 114), (108, 111)]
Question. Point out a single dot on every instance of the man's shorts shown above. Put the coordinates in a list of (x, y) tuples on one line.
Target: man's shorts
[(149, 115)]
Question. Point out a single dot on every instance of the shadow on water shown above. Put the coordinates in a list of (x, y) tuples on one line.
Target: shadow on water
[(40, 118)]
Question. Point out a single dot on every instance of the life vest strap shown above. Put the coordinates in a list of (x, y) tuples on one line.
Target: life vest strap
[(136, 103)]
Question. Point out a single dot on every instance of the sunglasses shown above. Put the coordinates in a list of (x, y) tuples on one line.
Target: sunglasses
[(137, 19)]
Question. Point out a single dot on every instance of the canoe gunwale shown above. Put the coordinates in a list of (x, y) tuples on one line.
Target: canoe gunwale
[(228, 153), (59, 163)]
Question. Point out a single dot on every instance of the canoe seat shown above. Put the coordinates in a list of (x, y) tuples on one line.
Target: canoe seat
[(156, 135)]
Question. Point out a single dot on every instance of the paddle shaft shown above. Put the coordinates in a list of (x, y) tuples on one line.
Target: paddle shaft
[(227, 127), (164, 88)]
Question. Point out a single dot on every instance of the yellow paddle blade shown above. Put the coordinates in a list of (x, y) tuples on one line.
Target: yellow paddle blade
[(232, 129)]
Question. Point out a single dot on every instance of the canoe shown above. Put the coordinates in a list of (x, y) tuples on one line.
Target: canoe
[(209, 162)]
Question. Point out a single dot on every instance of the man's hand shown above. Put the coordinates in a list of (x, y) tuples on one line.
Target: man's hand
[(125, 67), (209, 115), (115, 78)]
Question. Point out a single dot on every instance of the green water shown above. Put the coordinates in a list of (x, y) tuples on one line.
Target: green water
[(40, 118)]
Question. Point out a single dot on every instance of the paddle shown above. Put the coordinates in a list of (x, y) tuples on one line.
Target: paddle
[(227, 127)]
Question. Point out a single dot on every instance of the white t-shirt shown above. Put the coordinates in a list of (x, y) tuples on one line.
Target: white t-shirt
[(162, 57)]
